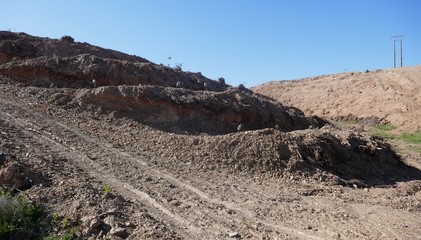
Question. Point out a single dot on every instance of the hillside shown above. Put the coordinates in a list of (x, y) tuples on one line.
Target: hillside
[(138, 156), (391, 95)]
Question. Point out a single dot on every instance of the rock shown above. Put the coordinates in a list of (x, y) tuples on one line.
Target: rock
[(7, 173), (110, 220), (119, 232), (234, 235), (91, 222), (14, 174), (129, 224), (3, 157)]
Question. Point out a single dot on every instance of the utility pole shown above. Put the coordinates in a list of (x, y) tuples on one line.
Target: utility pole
[(395, 39), (401, 54)]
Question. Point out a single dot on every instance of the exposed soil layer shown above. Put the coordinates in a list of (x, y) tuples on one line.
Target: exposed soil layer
[(48, 62), (194, 112)]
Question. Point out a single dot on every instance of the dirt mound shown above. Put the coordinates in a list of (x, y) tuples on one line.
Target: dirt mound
[(392, 95), (323, 155), (185, 111), (62, 63)]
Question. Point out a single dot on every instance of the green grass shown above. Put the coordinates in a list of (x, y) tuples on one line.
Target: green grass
[(385, 127), (414, 138), (383, 131)]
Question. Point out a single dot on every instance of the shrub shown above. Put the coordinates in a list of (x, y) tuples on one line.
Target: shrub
[(179, 66), (221, 80), (19, 218), (68, 39)]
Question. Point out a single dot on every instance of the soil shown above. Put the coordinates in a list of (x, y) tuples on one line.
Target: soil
[(390, 95), (306, 180)]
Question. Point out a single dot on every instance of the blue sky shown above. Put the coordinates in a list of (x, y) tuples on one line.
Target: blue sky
[(244, 41)]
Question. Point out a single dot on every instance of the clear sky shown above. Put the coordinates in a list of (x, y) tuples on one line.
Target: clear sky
[(244, 41)]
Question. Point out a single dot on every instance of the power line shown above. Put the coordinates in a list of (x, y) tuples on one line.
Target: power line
[(396, 39)]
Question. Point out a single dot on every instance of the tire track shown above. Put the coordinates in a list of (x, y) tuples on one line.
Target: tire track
[(222, 218)]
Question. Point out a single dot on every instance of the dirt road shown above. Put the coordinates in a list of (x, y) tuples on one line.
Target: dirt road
[(159, 196)]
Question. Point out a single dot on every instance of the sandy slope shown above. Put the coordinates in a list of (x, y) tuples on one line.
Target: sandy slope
[(392, 94)]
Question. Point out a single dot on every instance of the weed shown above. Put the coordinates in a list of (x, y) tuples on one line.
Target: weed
[(65, 223), (19, 218), (71, 234), (107, 188), (68, 235), (55, 217)]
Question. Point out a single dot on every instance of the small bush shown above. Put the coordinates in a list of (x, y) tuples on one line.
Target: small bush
[(19, 218), (68, 39), (221, 80), (179, 66)]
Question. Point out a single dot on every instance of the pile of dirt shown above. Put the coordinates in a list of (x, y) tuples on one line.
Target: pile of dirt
[(183, 111), (48, 62), (323, 155), (392, 95)]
